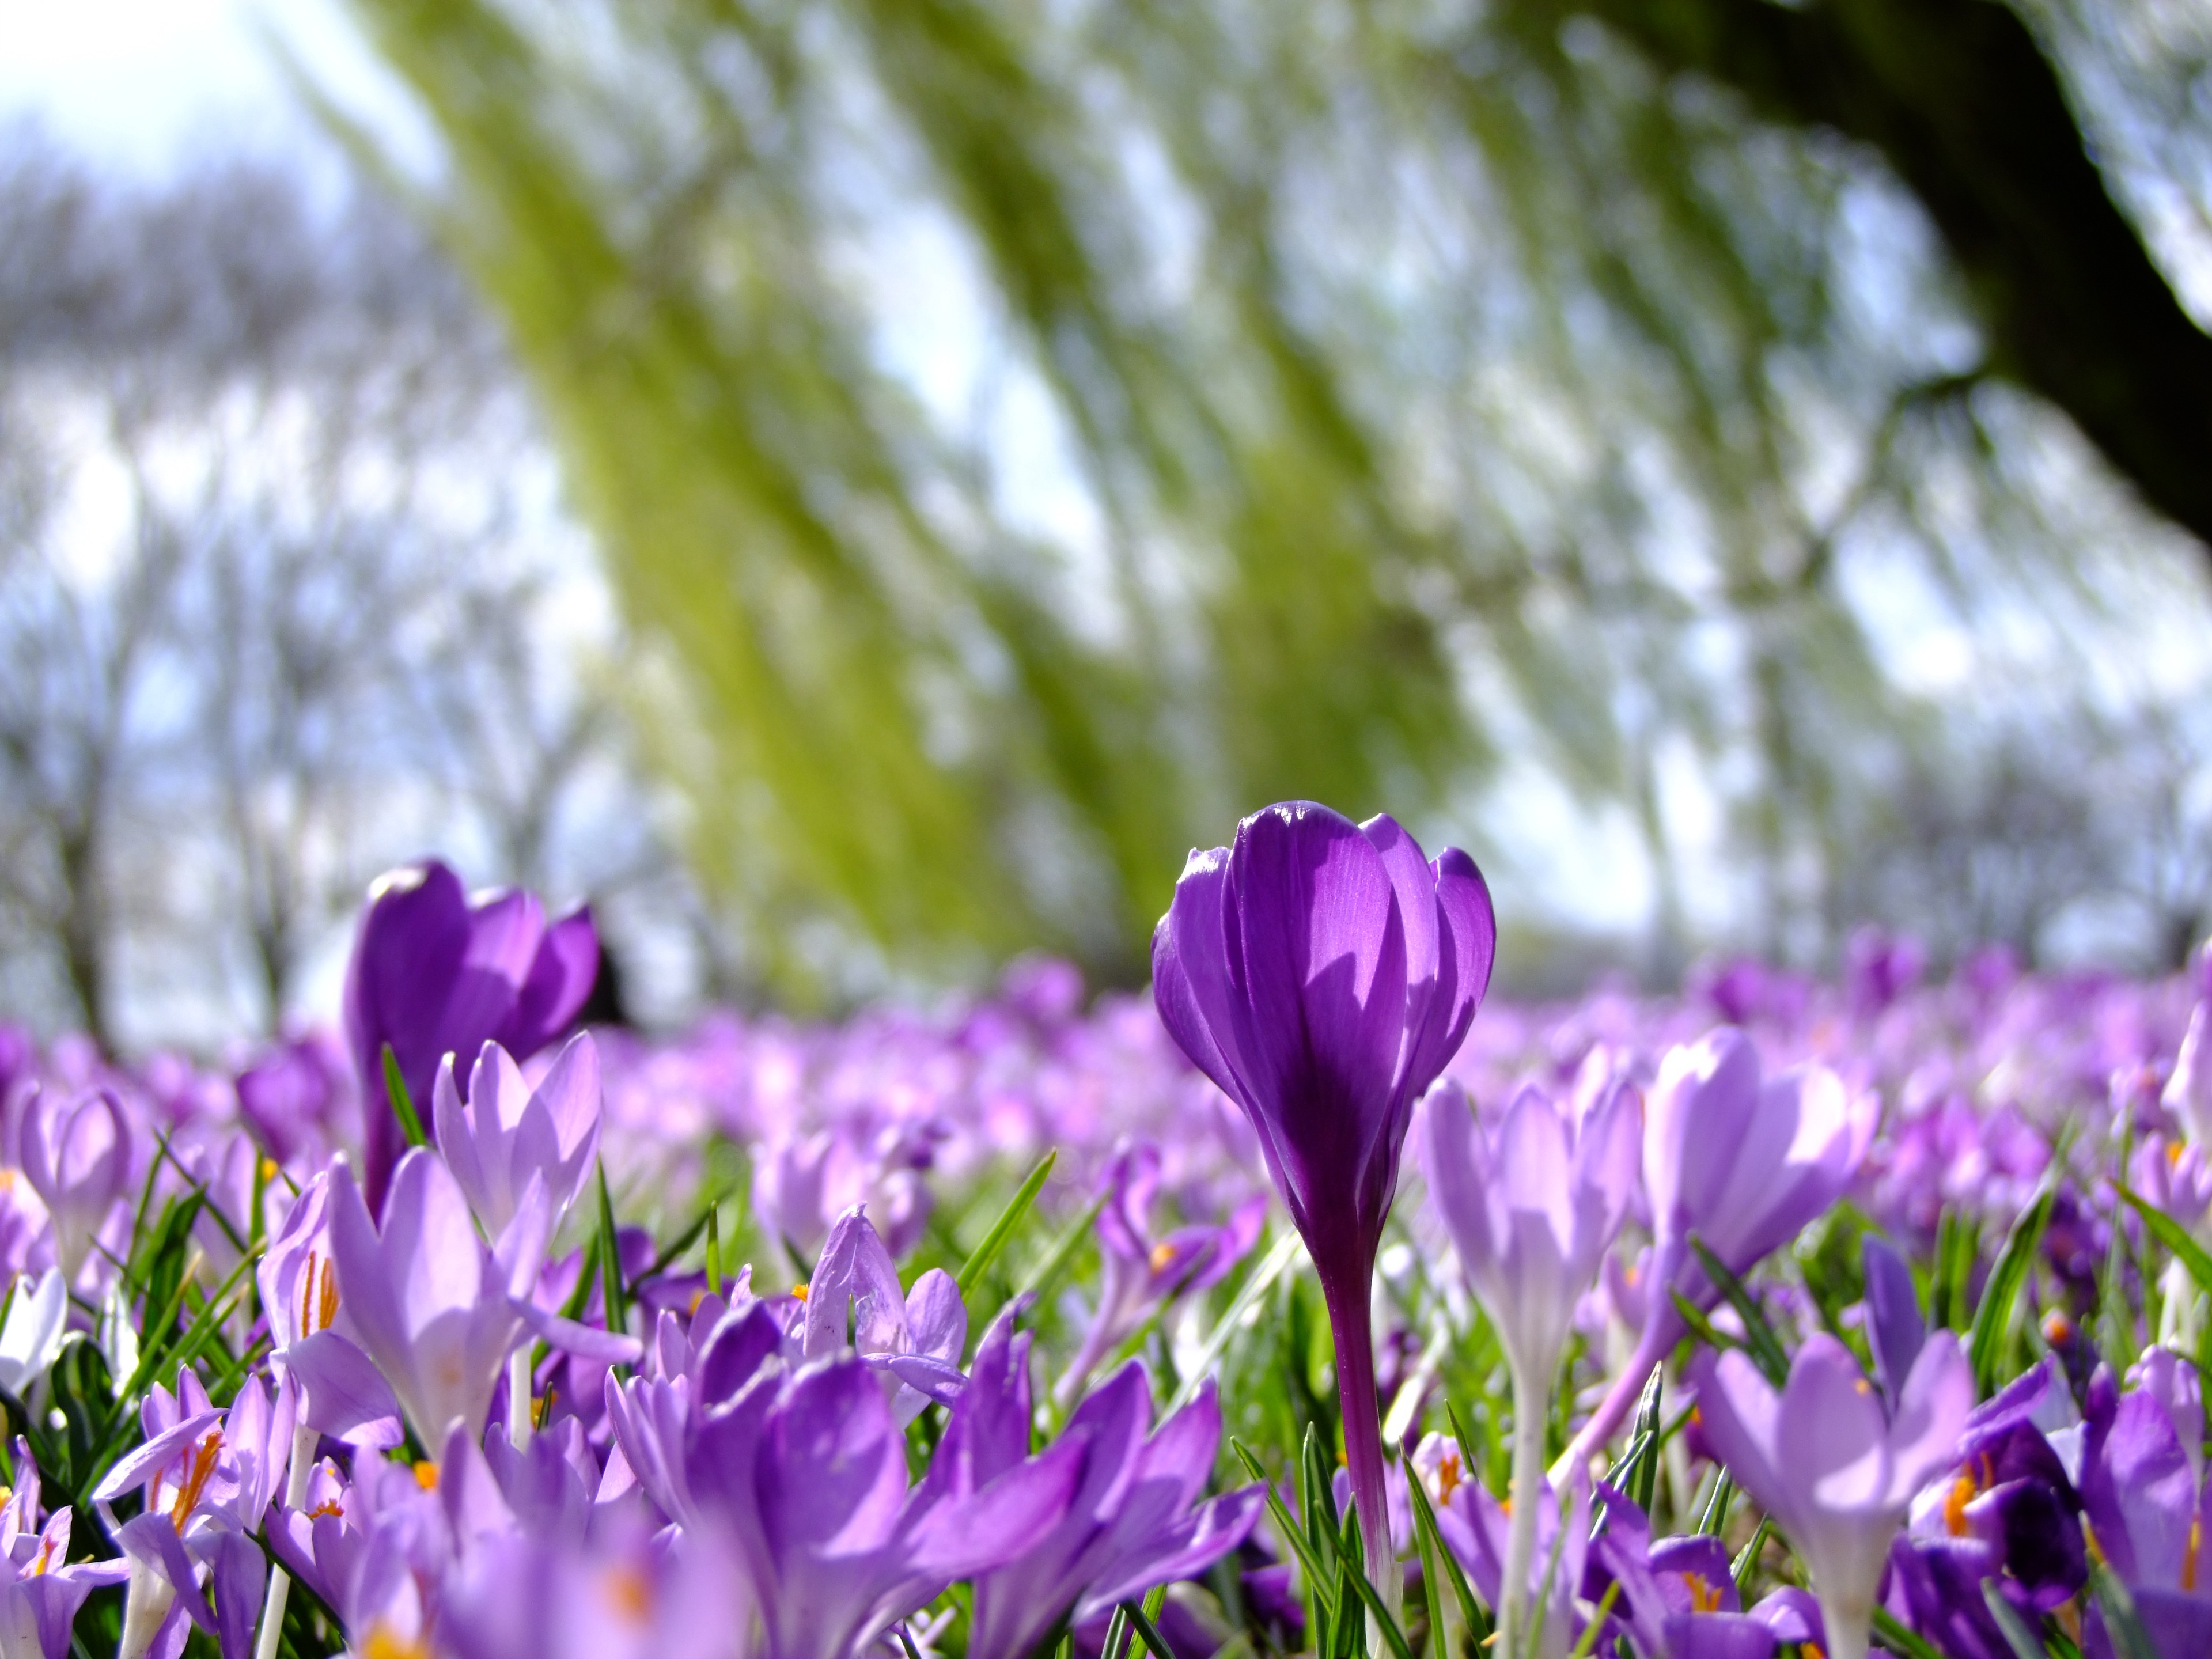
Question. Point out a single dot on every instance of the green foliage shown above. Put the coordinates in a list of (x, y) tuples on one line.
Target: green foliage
[(1027, 437)]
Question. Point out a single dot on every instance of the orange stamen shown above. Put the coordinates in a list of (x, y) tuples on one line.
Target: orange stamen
[(2189, 1556), (1449, 1477), (329, 1506), (1162, 1253), (2057, 1328), (386, 1643), (426, 1476), (1703, 1597), (800, 1290), (629, 1594), (198, 1472), (329, 1293)]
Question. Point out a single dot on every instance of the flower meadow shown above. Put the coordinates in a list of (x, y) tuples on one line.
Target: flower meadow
[(1311, 1304)]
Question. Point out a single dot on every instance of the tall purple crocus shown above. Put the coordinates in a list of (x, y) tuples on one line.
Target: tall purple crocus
[(1743, 1162), (1532, 1215), (1323, 972), (1828, 1462), (435, 973)]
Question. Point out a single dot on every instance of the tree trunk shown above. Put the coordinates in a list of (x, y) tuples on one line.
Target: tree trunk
[(1961, 102)]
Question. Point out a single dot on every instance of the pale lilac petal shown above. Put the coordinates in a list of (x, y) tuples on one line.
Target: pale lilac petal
[(343, 1392), (936, 1317)]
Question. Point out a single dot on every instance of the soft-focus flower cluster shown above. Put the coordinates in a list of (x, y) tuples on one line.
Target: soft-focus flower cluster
[(1779, 1315)]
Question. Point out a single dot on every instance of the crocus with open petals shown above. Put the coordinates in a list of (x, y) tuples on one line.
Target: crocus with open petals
[(1743, 1162), (436, 1310), (435, 973), (1829, 1465), (1323, 972)]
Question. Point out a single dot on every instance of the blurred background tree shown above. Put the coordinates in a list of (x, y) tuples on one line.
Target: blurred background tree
[(857, 491), (1024, 437)]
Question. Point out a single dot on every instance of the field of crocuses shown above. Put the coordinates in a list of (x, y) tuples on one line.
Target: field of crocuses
[(1310, 1305)]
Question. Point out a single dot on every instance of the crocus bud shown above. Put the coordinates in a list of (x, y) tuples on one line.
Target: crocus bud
[(77, 1157), (434, 973), (1323, 973)]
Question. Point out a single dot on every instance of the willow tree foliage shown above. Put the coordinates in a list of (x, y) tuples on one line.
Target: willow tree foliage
[(1034, 434)]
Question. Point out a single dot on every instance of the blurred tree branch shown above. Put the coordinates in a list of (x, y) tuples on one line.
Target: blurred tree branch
[(1965, 106)]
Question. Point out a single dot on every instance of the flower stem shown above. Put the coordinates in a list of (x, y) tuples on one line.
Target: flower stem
[(1847, 1627), (299, 1470), (1660, 1332), (518, 1401), (1351, 1326), (1530, 1400)]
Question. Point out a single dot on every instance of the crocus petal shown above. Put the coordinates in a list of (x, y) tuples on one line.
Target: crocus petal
[(344, 1395), (1895, 1330)]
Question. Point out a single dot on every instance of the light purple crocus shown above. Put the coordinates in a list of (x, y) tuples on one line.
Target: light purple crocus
[(1476, 1527), (1137, 1271), (436, 1310), (2188, 1092), (1323, 973), (1532, 1215), (1741, 1161), (435, 972), (1834, 1469), (78, 1155), (505, 1132), (913, 1340), (208, 1478), (40, 1588)]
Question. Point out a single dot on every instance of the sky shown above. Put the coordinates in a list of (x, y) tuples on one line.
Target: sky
[(143, 84)]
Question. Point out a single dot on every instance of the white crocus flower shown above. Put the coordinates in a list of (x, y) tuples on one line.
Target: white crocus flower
[(37, 1323)]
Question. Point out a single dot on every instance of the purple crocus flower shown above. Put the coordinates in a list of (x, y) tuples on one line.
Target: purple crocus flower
[(2144, 1500), (1323, 973), (1133, 1520), (78, 1155), (2188, 1093), (434, 973), (627, 1597), (505, 1132), (1532, 1215), (40, 1589), (1678, 1597), (1827, 1462), (913, 1340), (804, 1476), (1476, 1527), (436, 1310), (2010, 1514), (208, 1478), (1742, 1162), (1137, 1272)]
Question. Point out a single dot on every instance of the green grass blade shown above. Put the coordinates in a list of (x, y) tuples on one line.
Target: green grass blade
[(1260, 1281), (403, 1104), (1759, 1340), (1293, 1535), (972, 1271), (1356, 1575), (2023, 1641), (1900, 1637), (610, 1275), (1433, 1544), (1993, 1318)]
